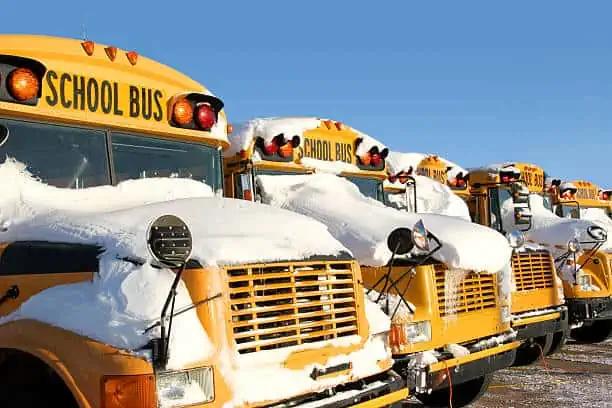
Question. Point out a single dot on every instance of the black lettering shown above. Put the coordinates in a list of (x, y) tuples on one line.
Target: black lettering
[(78, 92), (116, 110), (65, 102), (338, 151), (52, 99), (158, 115), (349, 149), (106, 97), (147, 103), (93, 94), (134, 106)]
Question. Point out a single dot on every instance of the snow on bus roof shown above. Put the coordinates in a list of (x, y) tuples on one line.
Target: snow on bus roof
[(269, 128), (125, 297), (398, 162), (363, 224)]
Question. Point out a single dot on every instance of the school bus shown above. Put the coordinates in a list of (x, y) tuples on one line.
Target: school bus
[(477, 320), (83, 114), (589, 296), (538, 312)]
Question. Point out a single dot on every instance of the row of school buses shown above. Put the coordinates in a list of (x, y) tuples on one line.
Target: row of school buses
[(62, 100)]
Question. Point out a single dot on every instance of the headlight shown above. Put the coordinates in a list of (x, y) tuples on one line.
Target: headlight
[(586, 283), (419, 236), (516, 239), (404, 334), (573, 246), (189, 387)]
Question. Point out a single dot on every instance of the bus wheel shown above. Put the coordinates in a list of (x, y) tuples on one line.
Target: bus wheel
[(596, 333), (531, 352), (559, 340), (463, 394)]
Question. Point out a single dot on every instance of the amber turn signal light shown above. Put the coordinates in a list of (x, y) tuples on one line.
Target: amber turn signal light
[(23, 84), (182, 112), (133, 391)]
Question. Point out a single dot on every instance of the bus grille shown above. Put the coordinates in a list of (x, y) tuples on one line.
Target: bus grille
[(532, 270), (475, 292), (281, 305)]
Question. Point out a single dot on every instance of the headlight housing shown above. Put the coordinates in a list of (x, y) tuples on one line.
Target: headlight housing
[(585, 282), (516, 239), (189, 387), (573, 246), (404, 334)]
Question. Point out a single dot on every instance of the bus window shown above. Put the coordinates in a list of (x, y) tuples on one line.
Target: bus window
[(498, 199), (369, 187), (61, 156), (143, 157)]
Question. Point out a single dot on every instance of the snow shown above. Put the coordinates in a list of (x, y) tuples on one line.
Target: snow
[(124, 298), (403, 313), (495, 341), (406, 162), (268, 129), (378, 321), (434, 197), (599, 216), (363, 224), (456, 350), (255, 372), (332, 167)]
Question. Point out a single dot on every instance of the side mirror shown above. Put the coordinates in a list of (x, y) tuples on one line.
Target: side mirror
[(4, 134), (170, 241), (522, 216), (245, 187), (520, 193), (400, 241)]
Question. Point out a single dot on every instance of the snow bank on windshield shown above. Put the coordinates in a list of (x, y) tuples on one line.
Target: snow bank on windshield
[(363, 224), (433, 197), (125, 298), (598, 216)]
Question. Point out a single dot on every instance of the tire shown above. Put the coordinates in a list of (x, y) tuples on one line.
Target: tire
[(463, 394), (40, 397), (559, 340), (596, 333), (531, 352)]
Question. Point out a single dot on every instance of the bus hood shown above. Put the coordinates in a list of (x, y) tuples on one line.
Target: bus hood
[(363, 224)]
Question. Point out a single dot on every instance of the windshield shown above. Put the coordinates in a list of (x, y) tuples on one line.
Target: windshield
[(72, 157), (500, 201), (396, 199), (61, 156), (372, 188), (143, 157)]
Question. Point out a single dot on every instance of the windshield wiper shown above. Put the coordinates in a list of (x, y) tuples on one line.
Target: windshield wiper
[(185, 309)]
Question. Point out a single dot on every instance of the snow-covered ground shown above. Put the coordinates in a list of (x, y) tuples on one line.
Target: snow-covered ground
[(579, 376)]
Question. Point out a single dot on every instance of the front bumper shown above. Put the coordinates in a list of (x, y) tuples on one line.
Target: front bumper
[(541, 325), (377, 391), (591, 309), (461, 369)]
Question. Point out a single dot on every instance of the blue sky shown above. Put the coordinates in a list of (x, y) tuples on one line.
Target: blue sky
[(476, 82)]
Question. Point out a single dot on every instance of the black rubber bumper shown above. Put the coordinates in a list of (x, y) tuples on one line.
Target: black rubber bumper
[(540, 329), (459, 374), (372, 388), (581, 310)]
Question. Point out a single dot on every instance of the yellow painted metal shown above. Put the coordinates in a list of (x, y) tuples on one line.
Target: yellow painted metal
[(536, 319), (94, 91), (453, 362)]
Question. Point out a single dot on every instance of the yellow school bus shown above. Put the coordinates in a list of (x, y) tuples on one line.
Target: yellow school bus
[(589, 297), (476, 322), (83, 114), (538, 310)]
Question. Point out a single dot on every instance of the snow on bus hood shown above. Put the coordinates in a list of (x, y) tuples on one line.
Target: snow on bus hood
[(363, 224), (398, 162), (124, 298), (548, 228)]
